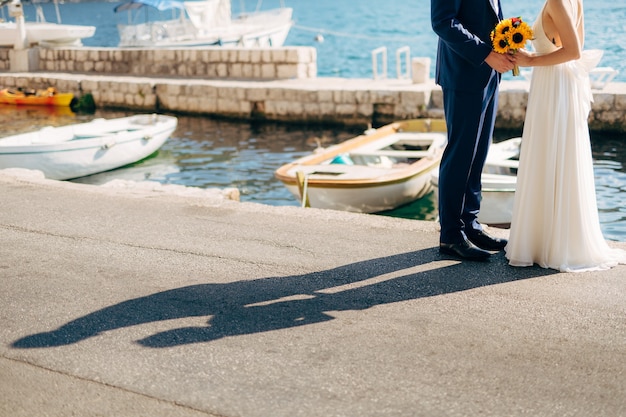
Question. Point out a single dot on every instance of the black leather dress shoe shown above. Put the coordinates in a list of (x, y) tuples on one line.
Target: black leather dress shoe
[(464, 250), (484, 241)]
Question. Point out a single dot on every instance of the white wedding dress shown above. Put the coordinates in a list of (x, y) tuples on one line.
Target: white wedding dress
[(555, 216)]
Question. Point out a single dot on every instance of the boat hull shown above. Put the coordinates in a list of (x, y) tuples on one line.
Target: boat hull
[(17, 98), (371, 198), (98, 146), (377, 177), (54, 34)]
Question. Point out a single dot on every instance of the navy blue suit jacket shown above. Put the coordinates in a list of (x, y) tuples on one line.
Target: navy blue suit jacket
[(463, 28)]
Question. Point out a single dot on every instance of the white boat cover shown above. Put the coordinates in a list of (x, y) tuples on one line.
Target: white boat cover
[(209, 14)]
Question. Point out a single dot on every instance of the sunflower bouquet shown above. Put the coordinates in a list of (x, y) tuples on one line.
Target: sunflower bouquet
[(510, 35)]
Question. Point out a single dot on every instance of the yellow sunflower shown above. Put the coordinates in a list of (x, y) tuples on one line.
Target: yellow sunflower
[(504, 27), (500, 43), (519, 35)]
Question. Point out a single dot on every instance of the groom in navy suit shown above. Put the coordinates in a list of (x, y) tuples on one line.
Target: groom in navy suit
[(468, 71)]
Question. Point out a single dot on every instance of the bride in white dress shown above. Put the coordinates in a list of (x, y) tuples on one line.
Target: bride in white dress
[(555, 216)]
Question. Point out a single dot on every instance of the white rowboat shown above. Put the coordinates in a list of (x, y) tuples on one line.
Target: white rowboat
[(380, 170), (82, 149)]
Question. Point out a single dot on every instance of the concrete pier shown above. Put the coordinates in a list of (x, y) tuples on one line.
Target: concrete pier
[(278, 84), (132, 303)]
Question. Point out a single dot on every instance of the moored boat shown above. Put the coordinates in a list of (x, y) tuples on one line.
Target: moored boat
[(499, 179), (82, 149), (379, 170), (47, 97), (40, 32), (199, 23)]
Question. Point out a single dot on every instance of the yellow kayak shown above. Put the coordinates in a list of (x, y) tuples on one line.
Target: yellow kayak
[(47, 97)]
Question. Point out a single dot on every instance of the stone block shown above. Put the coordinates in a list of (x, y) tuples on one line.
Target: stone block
[(232, 55), (255, 56), (208, 104), (244, 55), (416, 99), (266, 56), (384, 96), (222, 70), (620, 102), (344, 109), (365, 109), (277, 108), (236, 70), (268, 71), (286, 71), (228, 106), (292, 94), (256, 94), (276, 94), (247, 70), (168, 102), (311, 109), (436, 99), (603, 102), (81, 56), (325, 96), (278, 55), (327, 107)]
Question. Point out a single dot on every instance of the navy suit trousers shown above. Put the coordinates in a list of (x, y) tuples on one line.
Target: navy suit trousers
[(470, 118)]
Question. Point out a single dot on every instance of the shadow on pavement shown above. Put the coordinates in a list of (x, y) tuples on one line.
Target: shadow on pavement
[(265, 304)]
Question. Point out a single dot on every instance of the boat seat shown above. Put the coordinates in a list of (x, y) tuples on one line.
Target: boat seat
[(393, 153)]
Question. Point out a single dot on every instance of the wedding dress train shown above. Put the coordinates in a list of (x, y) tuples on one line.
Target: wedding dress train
[(555, 220)]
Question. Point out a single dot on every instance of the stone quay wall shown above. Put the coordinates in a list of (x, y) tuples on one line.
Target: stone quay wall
[(287, 90), (214, 62)]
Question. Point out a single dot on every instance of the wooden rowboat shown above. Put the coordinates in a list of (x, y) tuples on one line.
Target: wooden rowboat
[(379, 170)]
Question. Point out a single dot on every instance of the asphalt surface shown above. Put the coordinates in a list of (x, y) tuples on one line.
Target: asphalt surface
[(122, 302)]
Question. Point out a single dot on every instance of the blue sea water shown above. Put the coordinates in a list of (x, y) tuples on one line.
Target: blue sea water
[(351, 29)]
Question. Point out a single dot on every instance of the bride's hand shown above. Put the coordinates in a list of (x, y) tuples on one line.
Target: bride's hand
[(523, 58)]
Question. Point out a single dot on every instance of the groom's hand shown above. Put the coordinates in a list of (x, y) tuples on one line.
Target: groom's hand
[(500, 62)]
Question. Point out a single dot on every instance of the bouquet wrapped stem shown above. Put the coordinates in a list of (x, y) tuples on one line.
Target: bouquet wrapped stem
[(515, 70)]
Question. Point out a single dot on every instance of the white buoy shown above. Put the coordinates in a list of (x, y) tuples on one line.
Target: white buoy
[(319, 38)]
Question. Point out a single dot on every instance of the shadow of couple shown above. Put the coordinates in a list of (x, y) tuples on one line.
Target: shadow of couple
[(266, 304)]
